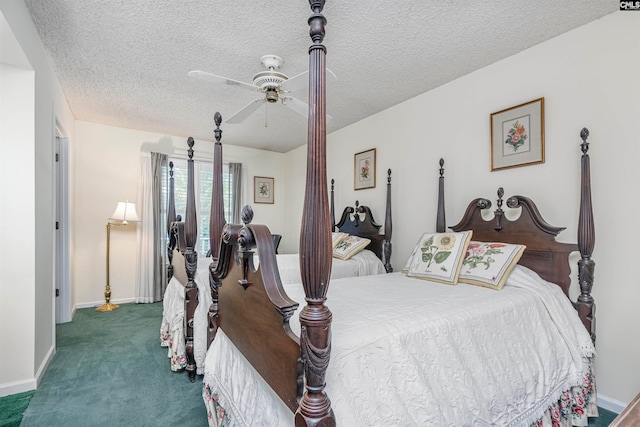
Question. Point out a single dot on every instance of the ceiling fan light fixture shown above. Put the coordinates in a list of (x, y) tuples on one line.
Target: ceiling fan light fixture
[(269, 79), (271, 95)]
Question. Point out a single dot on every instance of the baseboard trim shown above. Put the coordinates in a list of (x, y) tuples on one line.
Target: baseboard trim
[(99, 303), (16, 387), (45, 364), (611, 404)]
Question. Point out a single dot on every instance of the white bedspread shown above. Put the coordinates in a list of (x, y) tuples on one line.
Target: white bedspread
[(408, 352), (364, 263), (361, 264)]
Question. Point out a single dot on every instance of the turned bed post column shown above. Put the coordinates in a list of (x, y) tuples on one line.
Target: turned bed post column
[(191, 264), (171, 217), (586, 241), (441, 221), (333, 212), (216, 224), (315, 242), (388, 228)]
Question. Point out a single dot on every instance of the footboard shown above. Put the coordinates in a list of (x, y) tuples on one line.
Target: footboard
[(254, 310)]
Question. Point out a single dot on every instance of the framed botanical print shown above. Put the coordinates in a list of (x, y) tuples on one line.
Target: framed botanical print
[(517, 135), (364, 169), (262, 189)]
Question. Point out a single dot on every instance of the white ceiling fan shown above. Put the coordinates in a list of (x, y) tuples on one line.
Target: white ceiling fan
[(273, 84)]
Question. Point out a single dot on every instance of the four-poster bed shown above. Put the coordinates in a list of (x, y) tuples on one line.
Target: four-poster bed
[(184, 325), (259, 336)]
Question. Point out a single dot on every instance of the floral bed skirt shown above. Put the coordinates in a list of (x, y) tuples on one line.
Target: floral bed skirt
[(572, 408)]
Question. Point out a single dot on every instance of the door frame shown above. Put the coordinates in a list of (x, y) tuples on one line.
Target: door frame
[(63, 303)]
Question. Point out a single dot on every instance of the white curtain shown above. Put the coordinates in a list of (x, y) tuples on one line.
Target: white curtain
[(151, 274)]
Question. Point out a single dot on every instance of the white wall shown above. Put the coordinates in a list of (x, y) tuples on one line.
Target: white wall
[(17, 214), (30, 180), (106, 170), (588, 77)]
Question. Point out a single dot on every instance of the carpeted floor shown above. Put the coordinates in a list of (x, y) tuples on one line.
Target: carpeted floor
[(109, 370), (12, 407)]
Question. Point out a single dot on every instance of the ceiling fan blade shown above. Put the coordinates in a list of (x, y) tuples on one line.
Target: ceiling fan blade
[(203, 75), (299, 106), (246, 111), (301, 81)]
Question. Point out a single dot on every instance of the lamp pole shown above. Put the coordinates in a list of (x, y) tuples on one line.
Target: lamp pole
[(107, 306)]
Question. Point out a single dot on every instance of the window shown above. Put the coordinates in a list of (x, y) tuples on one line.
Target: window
[(203, 174)]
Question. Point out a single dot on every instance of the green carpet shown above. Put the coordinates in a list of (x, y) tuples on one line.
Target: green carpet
[(12, 407), (109, 370)]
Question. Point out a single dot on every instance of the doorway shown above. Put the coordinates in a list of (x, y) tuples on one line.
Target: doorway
[(62, 229)]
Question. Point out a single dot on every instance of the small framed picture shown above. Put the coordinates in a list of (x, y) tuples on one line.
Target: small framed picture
[(364, 166), (517, 136), (262, 189)]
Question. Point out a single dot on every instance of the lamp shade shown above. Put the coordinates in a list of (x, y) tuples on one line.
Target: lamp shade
[(125, 212)]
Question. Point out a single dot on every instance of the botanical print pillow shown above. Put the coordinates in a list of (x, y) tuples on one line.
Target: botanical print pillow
[(439, 256), (336, 237), (489, 264), (349, 246)]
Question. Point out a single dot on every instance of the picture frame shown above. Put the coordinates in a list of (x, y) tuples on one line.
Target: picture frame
[(263, 189), (364, 169), (517, 136)]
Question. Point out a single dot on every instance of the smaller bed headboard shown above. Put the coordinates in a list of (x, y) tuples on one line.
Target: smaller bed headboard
[(359, 221)]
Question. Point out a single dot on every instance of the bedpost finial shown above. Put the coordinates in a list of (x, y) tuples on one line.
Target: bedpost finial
[(389, 176), (441, 167), (247, 214), (190, 143), (317, 21), (217, 118), (170, 169), (584, 134), (500, 195), (317, 5)]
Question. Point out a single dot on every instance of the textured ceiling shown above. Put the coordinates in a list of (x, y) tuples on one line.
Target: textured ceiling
[(125, 62)]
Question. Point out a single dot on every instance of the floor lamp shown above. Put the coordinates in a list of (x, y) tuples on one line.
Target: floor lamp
[(125, 213)]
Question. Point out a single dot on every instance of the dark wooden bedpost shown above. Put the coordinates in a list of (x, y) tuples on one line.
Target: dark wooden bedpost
[(388, 228), (191, 264), (315, 241), (333, 212), (441, 221), (171, 217), (586, 241), (216, 224)]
